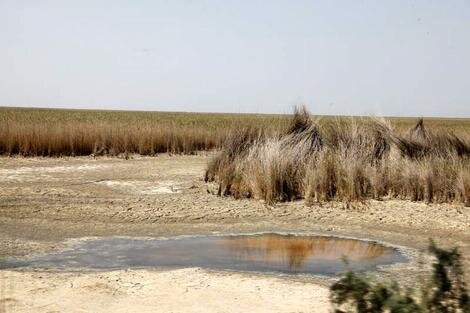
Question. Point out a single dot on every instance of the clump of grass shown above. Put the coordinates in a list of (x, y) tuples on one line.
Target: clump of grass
[(222, 167), (274, 168), (444, 291), (345, 160), (421, 141)]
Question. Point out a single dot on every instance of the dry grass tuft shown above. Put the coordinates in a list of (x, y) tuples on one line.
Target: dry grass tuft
[(421, 142), (345, 160)]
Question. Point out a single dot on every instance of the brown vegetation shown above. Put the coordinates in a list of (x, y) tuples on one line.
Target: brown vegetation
[(345, 160), (49, 132), (58, 132)]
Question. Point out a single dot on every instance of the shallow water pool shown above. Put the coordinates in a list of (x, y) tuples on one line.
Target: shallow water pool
[(279, 253)]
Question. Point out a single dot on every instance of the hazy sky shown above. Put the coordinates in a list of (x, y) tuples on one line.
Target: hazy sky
[(394, 57)]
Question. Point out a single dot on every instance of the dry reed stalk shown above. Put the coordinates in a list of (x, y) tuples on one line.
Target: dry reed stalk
[(347, 160)]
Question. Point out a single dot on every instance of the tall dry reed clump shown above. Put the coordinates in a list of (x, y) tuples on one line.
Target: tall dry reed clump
[(344, 160)]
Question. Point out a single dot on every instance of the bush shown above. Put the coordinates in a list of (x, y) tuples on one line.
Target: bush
[(444, 292)]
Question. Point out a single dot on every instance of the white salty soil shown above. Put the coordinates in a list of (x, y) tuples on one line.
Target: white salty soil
[(45, 201)]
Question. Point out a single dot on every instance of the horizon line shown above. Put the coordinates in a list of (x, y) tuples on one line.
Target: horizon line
[(217, 112)]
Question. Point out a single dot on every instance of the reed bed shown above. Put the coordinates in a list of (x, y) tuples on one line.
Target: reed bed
[(49, 132), (102, 139), (59, 132), (345, 160)]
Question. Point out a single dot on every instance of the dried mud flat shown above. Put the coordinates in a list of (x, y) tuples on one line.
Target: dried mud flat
[(44, 201)]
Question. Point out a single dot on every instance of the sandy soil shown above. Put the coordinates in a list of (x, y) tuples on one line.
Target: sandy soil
[(183, 290), (44, 201)]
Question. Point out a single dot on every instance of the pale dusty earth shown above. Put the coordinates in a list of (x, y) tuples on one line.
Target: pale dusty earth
[(45, 201)]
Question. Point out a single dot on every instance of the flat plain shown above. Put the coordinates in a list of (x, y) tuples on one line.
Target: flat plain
[(45, 201)]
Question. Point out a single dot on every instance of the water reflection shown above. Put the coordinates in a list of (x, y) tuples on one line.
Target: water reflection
[(261, 252), (295, 251)]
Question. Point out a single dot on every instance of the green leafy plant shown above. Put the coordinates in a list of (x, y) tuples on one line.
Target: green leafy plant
[(444, 292)]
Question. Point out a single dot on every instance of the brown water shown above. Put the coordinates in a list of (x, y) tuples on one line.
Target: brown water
[(262, 253)]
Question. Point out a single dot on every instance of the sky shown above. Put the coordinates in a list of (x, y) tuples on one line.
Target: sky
[(391, 57)]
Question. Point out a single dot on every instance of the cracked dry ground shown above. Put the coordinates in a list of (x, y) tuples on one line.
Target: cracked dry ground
[(44, 201)]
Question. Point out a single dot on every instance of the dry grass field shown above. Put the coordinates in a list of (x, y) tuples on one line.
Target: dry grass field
[(60, 132), (55, 132)]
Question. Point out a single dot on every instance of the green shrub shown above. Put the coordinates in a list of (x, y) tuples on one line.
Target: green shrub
[(444, 292)]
